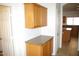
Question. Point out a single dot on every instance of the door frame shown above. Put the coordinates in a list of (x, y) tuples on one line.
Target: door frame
[(6, 5), (62, 4)]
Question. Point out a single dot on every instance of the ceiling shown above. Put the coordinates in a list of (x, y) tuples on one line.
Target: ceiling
[(71, 7)]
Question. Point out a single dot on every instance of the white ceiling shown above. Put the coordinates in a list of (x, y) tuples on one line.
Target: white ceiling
[(71, 7)]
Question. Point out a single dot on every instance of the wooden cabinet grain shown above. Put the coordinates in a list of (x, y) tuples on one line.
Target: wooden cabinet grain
[(66, 35), (47, 48), (64, 20), (42, 47), (35, 15)]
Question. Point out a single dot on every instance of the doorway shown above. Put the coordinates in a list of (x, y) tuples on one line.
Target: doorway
[(6, 31), (70, 30)]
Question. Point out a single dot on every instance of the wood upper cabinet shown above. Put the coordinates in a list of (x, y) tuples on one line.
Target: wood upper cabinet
[(35, 15), (44, 16)]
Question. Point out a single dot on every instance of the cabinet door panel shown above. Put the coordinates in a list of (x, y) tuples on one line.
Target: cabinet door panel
[(36, 15), (44, 16), (33, 50), (45, 49), (51, 45), (48, 48), (29, 19)]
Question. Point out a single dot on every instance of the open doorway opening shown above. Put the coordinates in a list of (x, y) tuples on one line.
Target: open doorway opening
[(70, 31)]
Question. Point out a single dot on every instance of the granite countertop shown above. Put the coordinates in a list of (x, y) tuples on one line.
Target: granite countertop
[(39, 40)]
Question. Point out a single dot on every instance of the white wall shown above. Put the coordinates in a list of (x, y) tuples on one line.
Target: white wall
[(51, 20), (22, 34), (18, 28), (57, 25), (53, 24)]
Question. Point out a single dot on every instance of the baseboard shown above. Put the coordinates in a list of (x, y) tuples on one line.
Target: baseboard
[(54, 54)]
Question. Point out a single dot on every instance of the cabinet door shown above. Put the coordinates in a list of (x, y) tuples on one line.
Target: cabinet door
[(66, 35), (44, 16), (50, 47), (41, 16), (37, 15), (29, 16), (47, 48), (33, 50)]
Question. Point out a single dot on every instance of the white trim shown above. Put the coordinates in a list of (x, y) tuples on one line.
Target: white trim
[(12, 31), (11, 36), (61, 25)]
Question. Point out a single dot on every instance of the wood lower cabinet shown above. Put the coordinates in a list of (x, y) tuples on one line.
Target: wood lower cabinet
[(47, 48), (64, 20), (33, 50), (42, 47), (74, 32), (66, 35), (35, 15)]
